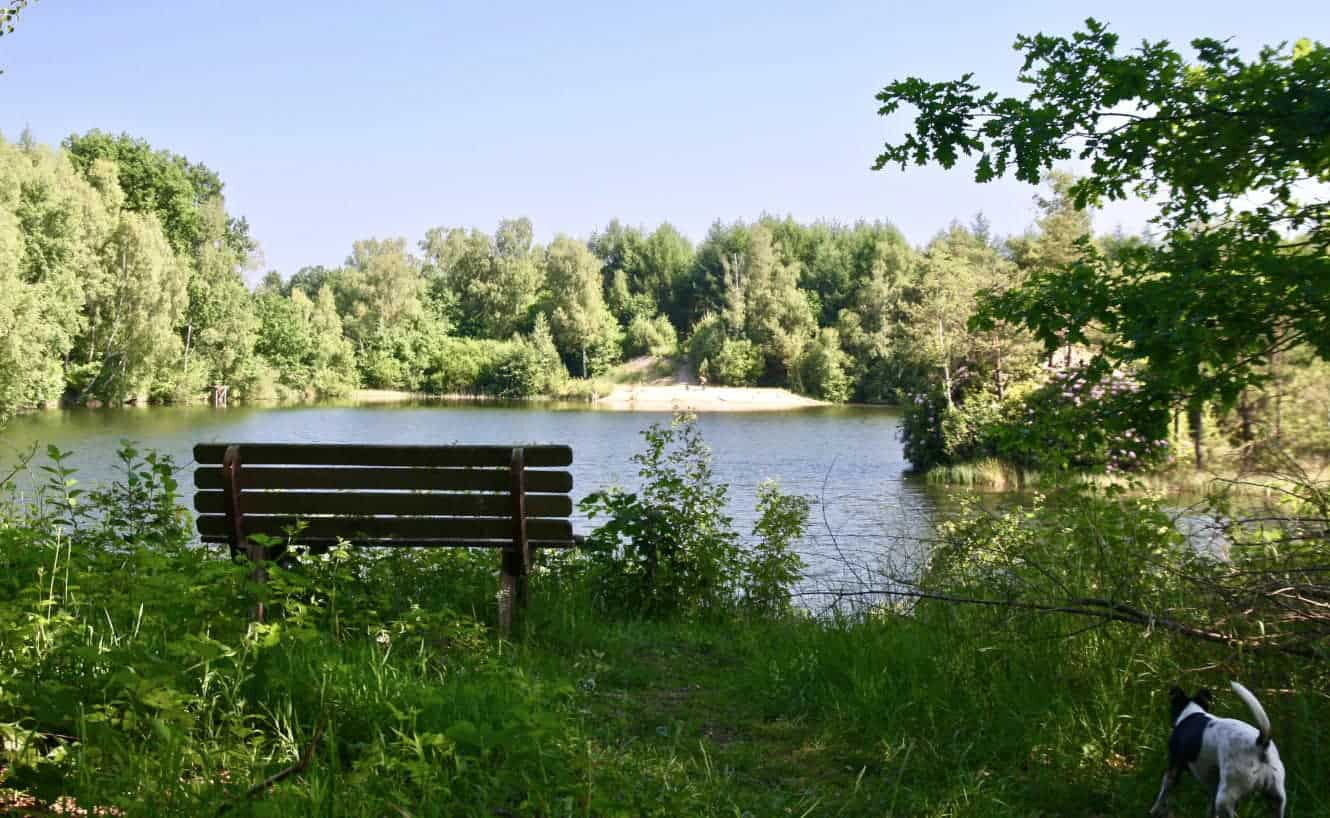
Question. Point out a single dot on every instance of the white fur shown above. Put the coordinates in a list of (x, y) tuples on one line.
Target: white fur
[(1257, 712), (1232, 763)]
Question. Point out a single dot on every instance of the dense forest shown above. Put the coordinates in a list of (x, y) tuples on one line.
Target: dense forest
[(123, 279)]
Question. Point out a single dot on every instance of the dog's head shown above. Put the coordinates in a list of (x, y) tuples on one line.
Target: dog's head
[(1178, 700)]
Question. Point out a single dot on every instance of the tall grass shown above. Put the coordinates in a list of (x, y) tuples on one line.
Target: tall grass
[(130, 680)]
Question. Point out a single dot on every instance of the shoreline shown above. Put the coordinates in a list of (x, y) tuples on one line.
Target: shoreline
[(689, 398), (640, 398), (622, 398)]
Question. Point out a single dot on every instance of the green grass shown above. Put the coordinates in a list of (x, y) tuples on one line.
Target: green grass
[(947, 712), (131, 680)]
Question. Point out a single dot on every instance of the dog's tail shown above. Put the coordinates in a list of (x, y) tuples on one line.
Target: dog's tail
[(1257, 712)]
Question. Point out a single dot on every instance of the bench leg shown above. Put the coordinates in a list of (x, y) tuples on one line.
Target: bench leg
[(512, 589), (517, 556)]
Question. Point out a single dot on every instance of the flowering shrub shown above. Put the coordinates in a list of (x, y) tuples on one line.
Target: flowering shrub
[(1075, 420), (1078, 421), (935, 434)]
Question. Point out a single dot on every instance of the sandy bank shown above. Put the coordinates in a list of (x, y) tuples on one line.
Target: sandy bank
[(382, 396), (399, 396), (697, 399)]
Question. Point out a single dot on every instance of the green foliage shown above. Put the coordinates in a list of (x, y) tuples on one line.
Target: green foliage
[(774, 567), (777, 316), (1074, 422), (823, 368), (737, 363), (303, 341), (723, 359), (670, 551), (9, 13), (581, 324), (50, 223), (708, 335), (517, 368), (1071, 422), (161, 183), (937, 432), (519, 372), (644, 273), (492, 281), (131, 676), (1238, 273), (461, 365), (650, 336)]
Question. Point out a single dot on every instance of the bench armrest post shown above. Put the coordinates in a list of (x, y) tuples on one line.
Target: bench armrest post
[(235, 520), (517, 555)]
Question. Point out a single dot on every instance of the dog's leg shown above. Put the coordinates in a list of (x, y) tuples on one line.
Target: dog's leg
[(1226, 806), (1160, 807)]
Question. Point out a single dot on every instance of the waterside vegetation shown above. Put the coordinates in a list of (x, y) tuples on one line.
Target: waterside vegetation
[(665, 670)]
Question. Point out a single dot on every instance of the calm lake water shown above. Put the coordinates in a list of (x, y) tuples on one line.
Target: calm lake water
[(848, 459)]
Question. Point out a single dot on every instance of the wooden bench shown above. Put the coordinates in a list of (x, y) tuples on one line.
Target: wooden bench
[(502, 497)]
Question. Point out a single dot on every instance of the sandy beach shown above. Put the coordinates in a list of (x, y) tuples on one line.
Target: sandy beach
[(685, 397)]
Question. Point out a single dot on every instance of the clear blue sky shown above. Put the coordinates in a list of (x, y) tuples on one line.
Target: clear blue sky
[(332, 121)]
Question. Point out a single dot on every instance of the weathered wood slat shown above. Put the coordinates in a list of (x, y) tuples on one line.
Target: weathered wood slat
[(418, 543), (413, 529), (368, 503), (516, 560), (387, 479), (336, 454)]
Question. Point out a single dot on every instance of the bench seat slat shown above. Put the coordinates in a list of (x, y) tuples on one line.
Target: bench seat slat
[(461, 529), (415, 543), (338, 454), (388, 479), (383, 503)]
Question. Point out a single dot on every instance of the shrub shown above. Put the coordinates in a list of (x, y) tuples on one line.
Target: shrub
[(823, 367), (1074, 421), (772, 566), (670, 550), (704, 342), (650, 336), (738, 363), (935, 433), (258, 380), (1080, 422), (517, 372), (456, 365)]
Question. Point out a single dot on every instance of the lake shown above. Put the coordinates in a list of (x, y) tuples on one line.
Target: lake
[(848, 459)]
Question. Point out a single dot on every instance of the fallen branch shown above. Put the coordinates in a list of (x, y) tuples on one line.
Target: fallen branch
[(1101, 609), (295, 769)]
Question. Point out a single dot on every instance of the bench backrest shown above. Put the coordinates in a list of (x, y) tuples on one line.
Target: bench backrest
[(385, 495), (505, 497)]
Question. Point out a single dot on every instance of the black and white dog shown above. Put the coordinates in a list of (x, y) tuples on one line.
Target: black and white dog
[(1229, 756)]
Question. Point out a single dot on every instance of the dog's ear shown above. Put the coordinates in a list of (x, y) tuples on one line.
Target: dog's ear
[(1177, 701), (1203, 697)]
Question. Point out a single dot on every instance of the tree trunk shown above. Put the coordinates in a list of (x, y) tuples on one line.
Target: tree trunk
[(1194, 419), (1279, 395), (946, 364), (1245, 426)]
